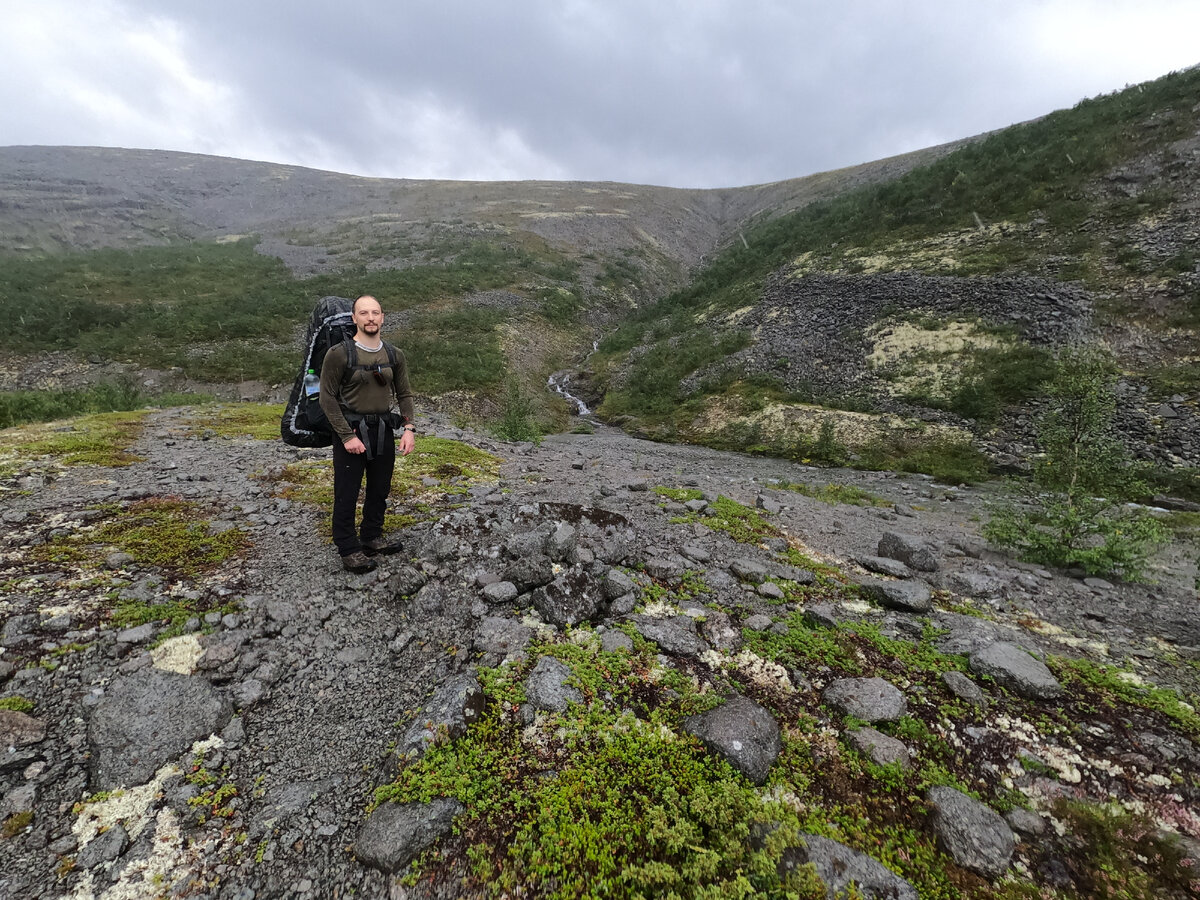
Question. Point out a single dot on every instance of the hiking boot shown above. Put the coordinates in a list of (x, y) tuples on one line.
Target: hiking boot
[(382, 545), (358, 563)]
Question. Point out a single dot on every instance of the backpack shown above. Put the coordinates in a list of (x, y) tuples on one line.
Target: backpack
[(304, 423)]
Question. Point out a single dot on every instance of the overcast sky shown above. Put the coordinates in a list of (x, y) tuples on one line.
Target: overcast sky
[(690, 93)]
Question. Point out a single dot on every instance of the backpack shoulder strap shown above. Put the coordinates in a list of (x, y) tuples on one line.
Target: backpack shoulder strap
[(351, 354), (391, 354)]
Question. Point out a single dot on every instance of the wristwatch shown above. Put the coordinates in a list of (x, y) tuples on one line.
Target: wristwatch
[(412, 428)]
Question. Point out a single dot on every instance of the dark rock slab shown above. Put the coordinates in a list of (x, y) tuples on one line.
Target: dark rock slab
[(447, 714), (838, 867), (676, 635), (1015, 669), (103, 848), (906, 596), (147, 719), (743, 733), (962, 687), (869, 699), (975, 836), (396, 834), (718, 630)]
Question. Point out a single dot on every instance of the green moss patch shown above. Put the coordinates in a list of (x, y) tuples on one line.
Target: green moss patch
[(102, 439), (256, 420), (164, 532), (837, 494)]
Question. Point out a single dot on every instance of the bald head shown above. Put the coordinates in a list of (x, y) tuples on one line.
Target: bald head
[(367, 316)]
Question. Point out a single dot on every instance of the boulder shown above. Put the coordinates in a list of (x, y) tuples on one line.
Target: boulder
[(718, 630), (1015, 669), (19, 730), (881, 565), (147, 719), (911, 550), (498, 639), (964, 688), (878, 747), (906, 596), (676, 635), (975, 836), (396, 834), (741, 732), (869, 699), (566, 601)]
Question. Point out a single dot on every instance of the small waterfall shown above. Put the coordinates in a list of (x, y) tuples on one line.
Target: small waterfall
[(558, 384)]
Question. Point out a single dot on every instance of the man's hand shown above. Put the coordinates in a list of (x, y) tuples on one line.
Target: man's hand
[(354, 445), (407, 443)]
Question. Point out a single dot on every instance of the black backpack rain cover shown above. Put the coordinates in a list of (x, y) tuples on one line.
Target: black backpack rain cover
[(303, 423)]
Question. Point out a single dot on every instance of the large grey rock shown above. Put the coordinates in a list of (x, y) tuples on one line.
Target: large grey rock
[(567, 600), (396, 834), (147, 719), (838, 867), (406, 581), (743, 733), (906, 596), (562, 542), (676, 635), (449, 712), (878, 747), (750, 570), (869, 699), (669, 567), (499, 639), (284, 802), (914, 551), (977, 584), (1015, 669), (976, 837), (546, 686), (19, 730)]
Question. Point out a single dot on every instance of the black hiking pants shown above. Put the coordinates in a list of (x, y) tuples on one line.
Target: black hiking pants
[(348, 470)]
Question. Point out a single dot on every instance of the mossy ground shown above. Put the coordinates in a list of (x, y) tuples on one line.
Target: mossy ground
[(454, 465), (613, 799), (256, 420), (102, 439)]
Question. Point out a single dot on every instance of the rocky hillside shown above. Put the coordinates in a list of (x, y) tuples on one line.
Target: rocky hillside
[(903, 298), (598, 665)]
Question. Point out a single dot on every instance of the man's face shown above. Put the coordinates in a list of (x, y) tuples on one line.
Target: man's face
[(368, 316)]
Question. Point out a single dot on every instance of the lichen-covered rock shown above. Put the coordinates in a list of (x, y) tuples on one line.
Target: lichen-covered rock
[(906, 596), (453, 707), (911, 550), (975, 836), (869, 699), (838, 867)]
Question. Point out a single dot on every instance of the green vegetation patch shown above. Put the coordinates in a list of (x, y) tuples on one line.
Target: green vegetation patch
[(17, 704), (96, 440), (742, 523), (837, 494), (121, 395), (254, 420), (1107, 684), (164, 532)]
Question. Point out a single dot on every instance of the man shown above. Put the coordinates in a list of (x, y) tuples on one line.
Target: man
[(356, 397)]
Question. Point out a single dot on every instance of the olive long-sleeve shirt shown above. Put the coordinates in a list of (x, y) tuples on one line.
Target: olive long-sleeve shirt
[(361, 392)]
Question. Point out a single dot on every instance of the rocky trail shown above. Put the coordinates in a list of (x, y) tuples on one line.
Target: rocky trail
[(237, 754)]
